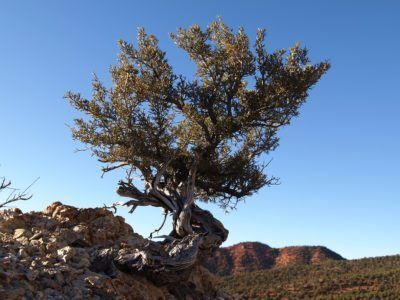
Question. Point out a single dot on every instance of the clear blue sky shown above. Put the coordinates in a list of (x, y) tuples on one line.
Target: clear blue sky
[(339, 162)]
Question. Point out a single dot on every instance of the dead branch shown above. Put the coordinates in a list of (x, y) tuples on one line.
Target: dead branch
[(161, 226), (13, 195)]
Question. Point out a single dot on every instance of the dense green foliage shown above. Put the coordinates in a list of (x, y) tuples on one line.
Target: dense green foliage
[(369, 278)]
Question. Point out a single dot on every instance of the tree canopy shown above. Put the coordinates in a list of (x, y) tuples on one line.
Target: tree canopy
[(196, 138)]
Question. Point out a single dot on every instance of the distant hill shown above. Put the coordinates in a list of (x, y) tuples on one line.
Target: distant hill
[(253, 256), (368, 278)]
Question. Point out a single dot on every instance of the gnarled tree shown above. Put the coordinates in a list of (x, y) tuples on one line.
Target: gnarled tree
[(197, 139)]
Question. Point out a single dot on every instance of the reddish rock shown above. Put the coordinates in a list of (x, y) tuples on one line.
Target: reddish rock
[(253, 256)]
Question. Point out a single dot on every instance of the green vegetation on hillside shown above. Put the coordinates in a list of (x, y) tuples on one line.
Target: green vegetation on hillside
[(369, 278)]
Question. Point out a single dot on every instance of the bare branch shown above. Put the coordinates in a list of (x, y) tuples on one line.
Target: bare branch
[(161, 226), (113, 167), (156, 192), (14, 196), (142, 199)]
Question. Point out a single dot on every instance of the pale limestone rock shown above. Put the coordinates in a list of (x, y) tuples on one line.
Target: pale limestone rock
[(21, 232), (68, 253)]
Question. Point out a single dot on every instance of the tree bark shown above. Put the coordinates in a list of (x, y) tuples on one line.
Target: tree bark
[(195, 232), (169, 261)]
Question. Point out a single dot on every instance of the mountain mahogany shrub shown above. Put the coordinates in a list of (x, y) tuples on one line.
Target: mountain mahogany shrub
[(194, 139)]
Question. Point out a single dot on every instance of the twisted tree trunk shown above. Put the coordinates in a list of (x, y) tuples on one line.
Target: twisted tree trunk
[(195, 231)]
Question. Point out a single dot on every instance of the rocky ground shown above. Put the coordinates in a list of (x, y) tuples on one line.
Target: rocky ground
[(69, 253)]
